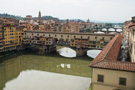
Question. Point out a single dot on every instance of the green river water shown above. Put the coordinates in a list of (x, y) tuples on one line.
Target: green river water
[(10, 68)]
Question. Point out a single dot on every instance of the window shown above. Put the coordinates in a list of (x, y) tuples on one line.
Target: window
[(103, 38), (122, 81), (68, 36), (55, 35), (95, 37), (43, 34), (81, 37), (61, 35), (32, 33), (88, 37), (49, 35), (74, 36), (37, 34), (110, 38), (100, 78)]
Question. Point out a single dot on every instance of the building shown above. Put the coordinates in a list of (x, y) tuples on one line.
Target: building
[(131, 39), (39, 16), (74, 27), (126, 31), (88, 43), (110, 73), (1, 37), (28, 17), (46, 40), (11, 35), (79, 43), (64, 38)]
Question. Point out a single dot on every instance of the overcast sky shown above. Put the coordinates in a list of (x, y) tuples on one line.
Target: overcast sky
[(99, 10)]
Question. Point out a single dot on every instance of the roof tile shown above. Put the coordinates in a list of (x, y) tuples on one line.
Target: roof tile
[(107, 58)]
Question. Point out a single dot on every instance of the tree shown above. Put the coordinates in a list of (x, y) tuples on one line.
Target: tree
[(109, 25)]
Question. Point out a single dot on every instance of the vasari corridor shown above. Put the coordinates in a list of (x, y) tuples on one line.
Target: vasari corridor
[(67, 45)]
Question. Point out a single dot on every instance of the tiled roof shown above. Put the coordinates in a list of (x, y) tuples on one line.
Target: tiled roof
[(107, 58), (8, 22), (130, 25), (133, 27)]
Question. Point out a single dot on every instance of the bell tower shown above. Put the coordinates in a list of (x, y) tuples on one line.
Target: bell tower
[(39, 16)]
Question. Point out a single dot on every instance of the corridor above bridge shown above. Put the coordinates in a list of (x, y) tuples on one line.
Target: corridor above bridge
[(86, 40)]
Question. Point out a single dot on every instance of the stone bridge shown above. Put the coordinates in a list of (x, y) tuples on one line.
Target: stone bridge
[(109, 29), (80, 42)]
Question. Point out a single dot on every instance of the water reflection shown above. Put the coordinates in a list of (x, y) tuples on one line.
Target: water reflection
[(64, 66), (39, 80), (11, 68), (67, 52)]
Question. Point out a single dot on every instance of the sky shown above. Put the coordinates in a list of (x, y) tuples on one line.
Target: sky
[(98, 10)]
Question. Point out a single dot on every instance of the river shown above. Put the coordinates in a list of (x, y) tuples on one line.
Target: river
[(51, 72)]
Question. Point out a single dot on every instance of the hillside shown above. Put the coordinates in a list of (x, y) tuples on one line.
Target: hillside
[(11, 16), (20, 18)]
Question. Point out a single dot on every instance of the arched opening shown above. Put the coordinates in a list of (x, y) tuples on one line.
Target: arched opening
[(67, 42), (55, 41), (93, 53), (111, 29), (104, 29), (61, 42), (119, 30), (67, 52)]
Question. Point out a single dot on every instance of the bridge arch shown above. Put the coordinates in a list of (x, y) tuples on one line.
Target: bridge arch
[(111, 29), (103, 29), (119, 30), (93, 52), (67, 52)]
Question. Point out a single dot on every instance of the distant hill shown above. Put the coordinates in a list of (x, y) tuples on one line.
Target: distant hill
[(11, 16), (43, 17), (20, 18), (49, 17)]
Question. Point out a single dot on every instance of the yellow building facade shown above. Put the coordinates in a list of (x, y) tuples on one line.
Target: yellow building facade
[(1, 38), (10, 36), (111, 80)]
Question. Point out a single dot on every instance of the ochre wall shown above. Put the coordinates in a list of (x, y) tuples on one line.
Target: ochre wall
[(111, 79)]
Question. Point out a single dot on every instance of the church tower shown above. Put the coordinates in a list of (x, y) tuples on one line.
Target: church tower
[(67, 22), (39, 16), (88, 21)]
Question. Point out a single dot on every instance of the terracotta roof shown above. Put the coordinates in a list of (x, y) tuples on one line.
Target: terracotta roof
[(130, 25), (133, 27), (107, 58), (23, 25), (8, 23)]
